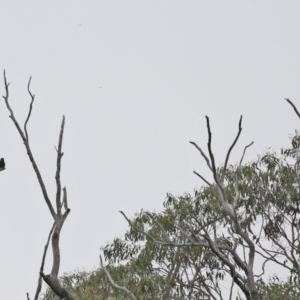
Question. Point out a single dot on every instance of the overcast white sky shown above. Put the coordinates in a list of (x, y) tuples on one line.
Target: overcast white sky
[(135, 80)]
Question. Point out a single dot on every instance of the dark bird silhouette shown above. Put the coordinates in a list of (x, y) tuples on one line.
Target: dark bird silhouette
[(2, 163)]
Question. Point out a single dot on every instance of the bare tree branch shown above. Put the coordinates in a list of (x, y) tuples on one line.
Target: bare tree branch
[(58, 168), (39, 287), (115, 285), (65, 199), (30, 109), (222, 197), (52, 278), (231, 147), (212, 159), (26, 143), (294, 107), (246, 147), (203, 155), (202, 178), (55, 245)]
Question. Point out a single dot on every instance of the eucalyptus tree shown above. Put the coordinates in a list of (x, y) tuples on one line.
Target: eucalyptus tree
[(247, 211), (95, 285), (198, 242), (165, 255)]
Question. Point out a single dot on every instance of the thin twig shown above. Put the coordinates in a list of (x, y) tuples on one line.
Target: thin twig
[(114, 284), (65, 198), (294, 107), (203, 154), (58, 168), (212, 159), (231, 147), (245, 152), (202, 178), (30, 109), (214, 169), (39, 287)]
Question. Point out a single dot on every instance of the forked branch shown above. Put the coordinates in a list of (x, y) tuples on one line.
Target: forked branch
[(27, 146), (52, 278), (229, 210)]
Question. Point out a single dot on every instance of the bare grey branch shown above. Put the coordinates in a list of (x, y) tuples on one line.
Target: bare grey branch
[(114, 284)]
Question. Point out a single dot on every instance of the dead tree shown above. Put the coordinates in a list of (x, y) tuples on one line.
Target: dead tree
[(59, 211)]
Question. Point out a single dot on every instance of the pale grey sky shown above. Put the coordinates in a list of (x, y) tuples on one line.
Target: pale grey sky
[(135, 80)]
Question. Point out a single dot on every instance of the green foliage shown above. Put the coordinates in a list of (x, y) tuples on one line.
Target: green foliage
[(174, 258), (94, 285), (277, 289)]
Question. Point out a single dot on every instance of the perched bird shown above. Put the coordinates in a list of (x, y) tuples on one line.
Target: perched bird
[(2, 163)]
